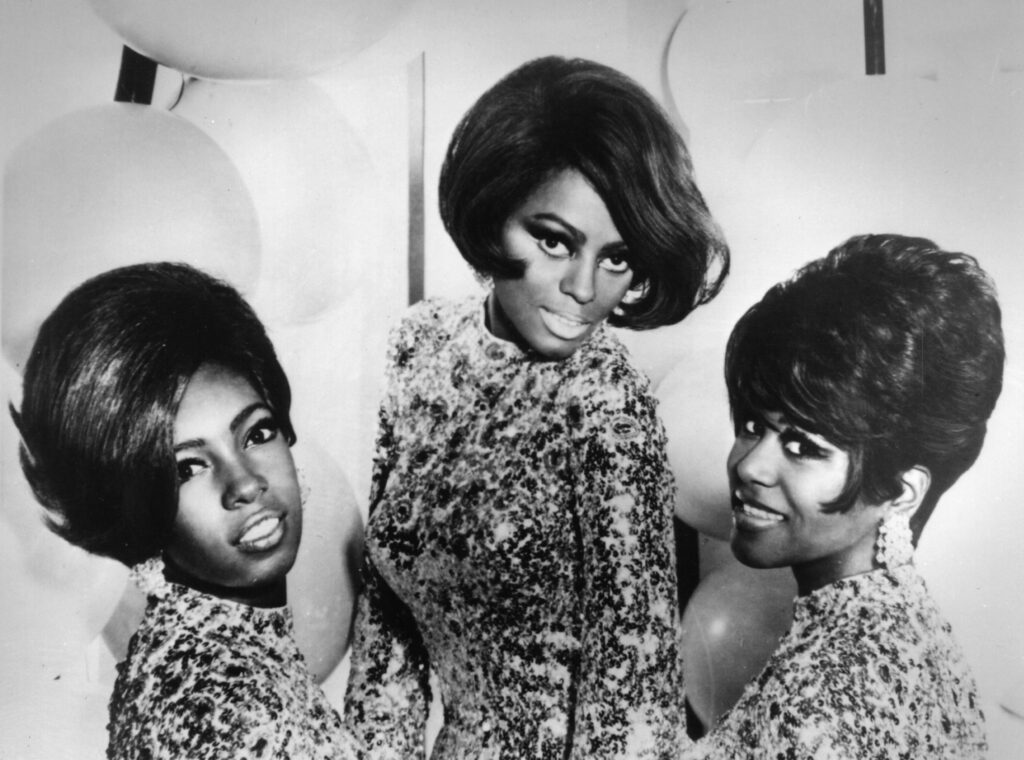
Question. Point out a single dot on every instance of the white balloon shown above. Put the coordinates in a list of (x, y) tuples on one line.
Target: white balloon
[(323, 584), (250, 39), (695, 410), (313, 185), (114, 185)]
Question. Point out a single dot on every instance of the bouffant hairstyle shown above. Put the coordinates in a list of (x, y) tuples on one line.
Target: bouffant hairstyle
[(101, 392), (553, 114), (890, 348)]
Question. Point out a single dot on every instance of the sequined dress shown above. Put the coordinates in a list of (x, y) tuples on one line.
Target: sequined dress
[(207, 678), (520, 545), (869, 669)]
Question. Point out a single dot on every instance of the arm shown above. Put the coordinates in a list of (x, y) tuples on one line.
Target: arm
[(387, 697), (630, 694)]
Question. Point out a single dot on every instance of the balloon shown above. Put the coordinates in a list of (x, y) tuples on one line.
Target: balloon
[(732, 66), (313, 185), (113, 185), (323, 584), (695, 410), (250, 39), (730, 627)]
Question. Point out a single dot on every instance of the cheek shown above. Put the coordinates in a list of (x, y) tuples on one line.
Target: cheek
[(736, 453), (514, 296)]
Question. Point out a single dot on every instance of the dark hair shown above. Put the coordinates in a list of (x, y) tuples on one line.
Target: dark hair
[(554, 114), (102, 388), (888, 347)]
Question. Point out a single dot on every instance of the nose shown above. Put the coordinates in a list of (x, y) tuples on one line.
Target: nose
[(243, 484), (753, 462), (578, 279)]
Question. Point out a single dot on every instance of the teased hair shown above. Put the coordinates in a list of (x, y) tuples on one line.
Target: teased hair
[(554, 114), (101, 393), (890, 348)]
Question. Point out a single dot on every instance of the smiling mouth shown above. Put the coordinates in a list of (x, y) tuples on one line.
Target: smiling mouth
[(262, 534), (564, 326), (750, 515)]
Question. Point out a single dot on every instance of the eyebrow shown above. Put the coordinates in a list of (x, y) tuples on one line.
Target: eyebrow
[(236, 421), (578, 236)]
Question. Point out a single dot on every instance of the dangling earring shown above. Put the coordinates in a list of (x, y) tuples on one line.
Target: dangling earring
[(303, 487), (895, 543)]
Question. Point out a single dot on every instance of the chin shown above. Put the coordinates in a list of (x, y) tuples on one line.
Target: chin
[(555, 349), (750, 557)]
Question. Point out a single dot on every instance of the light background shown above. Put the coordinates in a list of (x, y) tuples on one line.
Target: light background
[(794, 148)]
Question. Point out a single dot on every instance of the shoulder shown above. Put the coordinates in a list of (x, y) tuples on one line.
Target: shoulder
[(197, 692), (605, 385), (427, 325), (605, 361)]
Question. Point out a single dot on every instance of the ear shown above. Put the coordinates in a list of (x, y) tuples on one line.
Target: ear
[(915, 483)]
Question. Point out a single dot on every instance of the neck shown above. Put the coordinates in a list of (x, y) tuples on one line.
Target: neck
[(273, 594), (498, 324), (814, 575)]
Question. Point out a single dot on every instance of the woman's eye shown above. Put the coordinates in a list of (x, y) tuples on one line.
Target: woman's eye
[(263, 431), (801, 447), (751, 427), (189, 468), (552, 245), (617, 263)]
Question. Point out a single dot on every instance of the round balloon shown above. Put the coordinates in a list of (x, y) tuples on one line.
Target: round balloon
[(250, 39), (730, 627), (323, 584), (695, 410), (114, 185), (312, 183)]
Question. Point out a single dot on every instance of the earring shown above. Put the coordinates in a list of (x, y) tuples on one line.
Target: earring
[(303, 486), (895, 543), (148, 575)]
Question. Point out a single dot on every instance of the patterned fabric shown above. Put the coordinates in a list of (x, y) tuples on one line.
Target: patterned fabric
[(208, 678), (520, 546), (869, 669)]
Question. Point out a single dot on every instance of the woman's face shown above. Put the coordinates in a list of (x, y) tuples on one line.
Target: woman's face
[(239, 518), (780, 477), (577, 268)]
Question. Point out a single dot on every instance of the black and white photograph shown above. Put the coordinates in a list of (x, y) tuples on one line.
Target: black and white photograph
[(437, 379)]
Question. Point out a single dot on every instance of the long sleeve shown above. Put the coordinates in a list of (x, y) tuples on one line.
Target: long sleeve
[(629, 701), (388, 689), (387, 698)]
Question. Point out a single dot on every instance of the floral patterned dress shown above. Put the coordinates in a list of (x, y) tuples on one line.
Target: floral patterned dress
[(211, 679), (520, 546), (869, 669)]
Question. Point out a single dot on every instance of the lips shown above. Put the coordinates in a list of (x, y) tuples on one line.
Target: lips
[(262, 532), (750, 515), (564, 325)]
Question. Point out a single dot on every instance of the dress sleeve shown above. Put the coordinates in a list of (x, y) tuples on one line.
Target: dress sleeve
[(629, 701), (387, 697)]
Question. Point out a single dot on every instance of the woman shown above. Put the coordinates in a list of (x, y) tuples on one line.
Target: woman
[(156, 431), (520, 540), (860, 392)]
